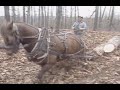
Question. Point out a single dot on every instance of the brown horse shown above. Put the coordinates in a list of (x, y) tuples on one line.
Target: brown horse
[(43, 47)]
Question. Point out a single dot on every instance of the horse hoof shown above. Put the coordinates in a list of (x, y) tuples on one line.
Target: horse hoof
[(37, 81), (9, 53)]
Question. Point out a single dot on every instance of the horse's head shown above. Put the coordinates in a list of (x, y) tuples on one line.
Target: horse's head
[(10, 37)]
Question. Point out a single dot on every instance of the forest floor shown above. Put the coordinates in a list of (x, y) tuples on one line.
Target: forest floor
[(17, 69)]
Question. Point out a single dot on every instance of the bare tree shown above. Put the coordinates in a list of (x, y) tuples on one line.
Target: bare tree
[(31, 15), (28, 14), (96, 18), (52, 24), (7, 14), (45, 17), (62, 23), (47, 20), (18, 16), (78, 10), (65, 17), (24, 14), (35, 20), (103, 13), (111, 19), (109, 13), (42, 24), (58, 18), (100, 16), (39, 17), (71, 16), (75, 13), (13, 13)]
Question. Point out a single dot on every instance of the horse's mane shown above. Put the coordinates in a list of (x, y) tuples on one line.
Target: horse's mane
[(28, 25)]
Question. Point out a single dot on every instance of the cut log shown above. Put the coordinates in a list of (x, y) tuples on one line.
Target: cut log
[(109, 46), (112, 44)]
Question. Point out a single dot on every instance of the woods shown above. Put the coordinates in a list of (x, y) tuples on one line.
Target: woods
[(99, 61), (7, 14), (63, 16)]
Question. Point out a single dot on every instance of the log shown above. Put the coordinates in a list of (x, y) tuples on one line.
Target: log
[(109, 46), (112, 44), (99, 49)]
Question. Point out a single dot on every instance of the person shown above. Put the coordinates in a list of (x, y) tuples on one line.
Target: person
[(79, 26)]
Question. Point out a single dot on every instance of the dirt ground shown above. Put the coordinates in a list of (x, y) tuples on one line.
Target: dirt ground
[(17, 69)]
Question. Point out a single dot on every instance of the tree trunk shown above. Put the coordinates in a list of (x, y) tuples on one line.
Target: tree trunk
[(13, 13), (7, 14), (109, 13), (24, 14), (39, 17), (96, 18), (100, 17), (103, 13), (75, 13), (58, 17), (108, 47), (65, 18), (62, 24), (71, 17), (78, 10), (31, 15), (52, 24), (47, 20), (18, 14), (42, 24), (111, 19), (28, 15), (35, 20)]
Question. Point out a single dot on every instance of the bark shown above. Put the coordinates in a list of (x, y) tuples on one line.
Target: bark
[(47, 20), (71, 17), (65, 18), (111, 19), (18, 14), (42, 24), (28, 15), (75, 13), (13, 13), (39, 17), (7, 14), (58, 18), (96, 18), (24, 14)]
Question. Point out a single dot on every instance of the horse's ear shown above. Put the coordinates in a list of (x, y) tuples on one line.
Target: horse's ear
[(10, 25)]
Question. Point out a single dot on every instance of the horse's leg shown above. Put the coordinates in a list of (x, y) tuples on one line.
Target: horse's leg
[(52, 59), (44, 69)]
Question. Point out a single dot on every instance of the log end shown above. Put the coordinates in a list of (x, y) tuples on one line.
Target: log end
[(109, 48)]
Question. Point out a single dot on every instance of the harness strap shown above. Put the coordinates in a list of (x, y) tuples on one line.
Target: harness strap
[(15, 28), (38, 39)]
